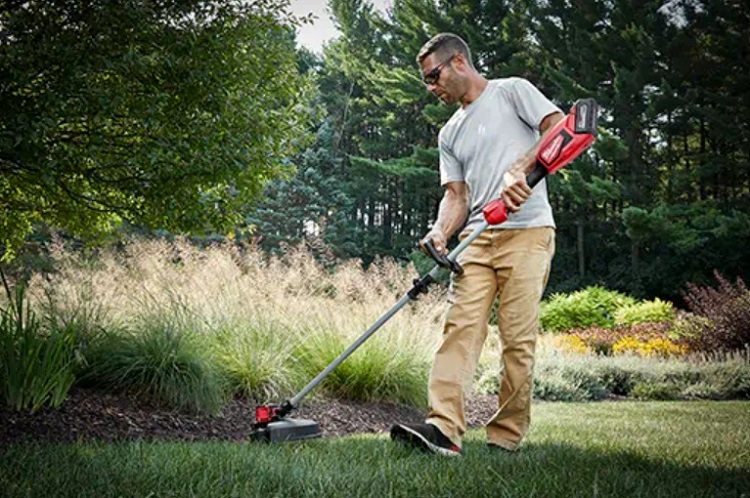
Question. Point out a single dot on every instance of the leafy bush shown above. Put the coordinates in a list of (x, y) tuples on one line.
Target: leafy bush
[(617, 380), (644, 312), (721, 381), (571, 343), (592, 306), (162, 361), (551, 387), (36, 365), (722, 316), (598, 340)]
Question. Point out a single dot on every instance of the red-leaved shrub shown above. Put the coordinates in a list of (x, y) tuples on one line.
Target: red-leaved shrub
[(722, 316)]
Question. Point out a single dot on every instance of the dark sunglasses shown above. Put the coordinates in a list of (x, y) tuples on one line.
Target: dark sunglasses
[(433, 76)]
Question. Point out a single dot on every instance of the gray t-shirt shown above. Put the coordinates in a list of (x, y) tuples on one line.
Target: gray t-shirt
[(481, 141)]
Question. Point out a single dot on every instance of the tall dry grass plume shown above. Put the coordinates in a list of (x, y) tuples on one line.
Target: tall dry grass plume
[(225, 284), (255, 313)]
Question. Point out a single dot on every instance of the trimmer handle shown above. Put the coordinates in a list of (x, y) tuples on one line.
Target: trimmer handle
[(565, 142), (442, 260)]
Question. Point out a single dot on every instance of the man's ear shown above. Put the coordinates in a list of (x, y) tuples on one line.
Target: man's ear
[(460, 61)]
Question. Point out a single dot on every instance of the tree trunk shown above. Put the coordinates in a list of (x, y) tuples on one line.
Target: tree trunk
[(580, 245)]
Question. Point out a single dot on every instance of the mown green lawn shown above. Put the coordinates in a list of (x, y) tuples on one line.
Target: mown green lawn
[(623, 449)]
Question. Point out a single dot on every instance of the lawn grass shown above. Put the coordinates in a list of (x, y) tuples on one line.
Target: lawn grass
[(623, 449)]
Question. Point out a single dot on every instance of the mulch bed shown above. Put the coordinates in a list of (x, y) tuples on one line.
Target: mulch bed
[(90, 415)]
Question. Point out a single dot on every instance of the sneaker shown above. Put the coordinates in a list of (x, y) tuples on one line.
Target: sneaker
[(426, 437)]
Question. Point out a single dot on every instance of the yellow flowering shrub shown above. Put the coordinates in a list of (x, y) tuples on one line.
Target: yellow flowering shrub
[(663, 347), (571, 344), (627, 344), (653, 347)]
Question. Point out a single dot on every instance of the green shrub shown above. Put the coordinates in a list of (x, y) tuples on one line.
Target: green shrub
[(592, 306), (550, 387), (377, 371), (617, 380), (568, 382), (657, 391), (36, 365), (487, 379), (161, 361), (645, 312), (721, 381)]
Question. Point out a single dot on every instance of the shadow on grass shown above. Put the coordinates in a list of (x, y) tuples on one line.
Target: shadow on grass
[(360, 466), (553, 469)]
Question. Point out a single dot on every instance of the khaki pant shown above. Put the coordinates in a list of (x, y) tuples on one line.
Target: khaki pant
[(513, 264)]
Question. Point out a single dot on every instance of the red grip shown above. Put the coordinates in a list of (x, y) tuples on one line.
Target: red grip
[(495, 212)]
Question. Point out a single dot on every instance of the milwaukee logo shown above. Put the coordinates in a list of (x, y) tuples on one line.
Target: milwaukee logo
[(552, 150)]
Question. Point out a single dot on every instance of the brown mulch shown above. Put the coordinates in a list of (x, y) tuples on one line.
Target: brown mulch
[(91, 415)]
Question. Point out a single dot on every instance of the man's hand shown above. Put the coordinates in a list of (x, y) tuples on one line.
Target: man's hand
[(439, 241), (516, 190)]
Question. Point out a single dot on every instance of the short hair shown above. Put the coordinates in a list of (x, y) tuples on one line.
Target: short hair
[(445, 44)]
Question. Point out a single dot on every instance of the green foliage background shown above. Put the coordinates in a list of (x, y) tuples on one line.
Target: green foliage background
[(203, 117), (168, 115), (662, 199)]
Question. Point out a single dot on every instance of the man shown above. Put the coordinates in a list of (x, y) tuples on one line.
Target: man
[(486, 149)]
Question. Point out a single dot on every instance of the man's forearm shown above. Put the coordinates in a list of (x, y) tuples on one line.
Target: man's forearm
[(525, 164), (515, 190)]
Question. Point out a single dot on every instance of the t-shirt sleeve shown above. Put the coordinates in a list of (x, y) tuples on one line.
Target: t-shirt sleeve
[(531, 104), (451, 169)]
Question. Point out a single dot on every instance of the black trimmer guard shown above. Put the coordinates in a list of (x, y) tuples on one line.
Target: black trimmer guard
[(287, 430)]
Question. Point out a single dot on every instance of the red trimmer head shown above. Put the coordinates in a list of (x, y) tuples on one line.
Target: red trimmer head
[(271, 427)]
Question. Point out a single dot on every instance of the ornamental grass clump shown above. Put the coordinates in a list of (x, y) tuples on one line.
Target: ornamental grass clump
[(37, 361), (241, 311), (258, 361), (158, 360), (381, 370)]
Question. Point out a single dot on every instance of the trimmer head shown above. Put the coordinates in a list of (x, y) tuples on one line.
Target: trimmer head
[(271, 427), (291, 429)]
